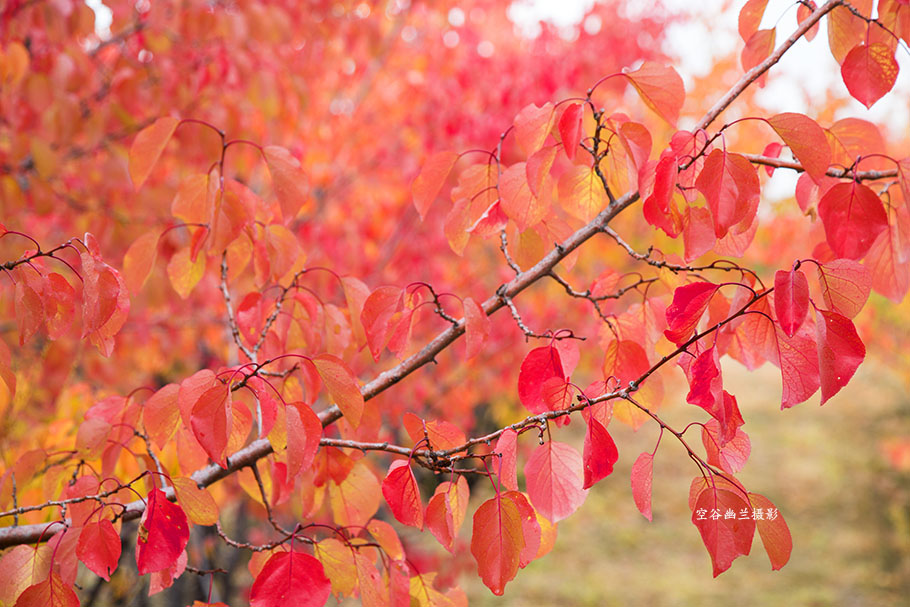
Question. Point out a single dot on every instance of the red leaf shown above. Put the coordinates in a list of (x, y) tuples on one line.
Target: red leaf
[(642, 475), (840, 351), (845, 286), (506, 447), (689, 303), (52, 592), (774, 533), (147, 148), (380, 313), (288, 180), (432, 176), (342, 386), (497, 542), (731, 187), (725, 538), (798, 361), (476, 327), (532, 125), (211, 421), (554, 474), (806, 141), (570, 128), (447, 510), (853, 216), (599, 454), (539, 365), (303, 433), (163, 534), (660, 88), (99, 548), (869, 72), (791, 299), (659, 209), (290, 578), (402, 494)]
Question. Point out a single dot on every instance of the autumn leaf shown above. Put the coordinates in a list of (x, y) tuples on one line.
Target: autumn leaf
[(402, 494), (432, 176), (689, 303), (477, 327), (725, 538), (303, 433), (555, 477), (539, 365), (642, 475), (211, 421), (198, 504), (840, 351), (806, 140), (730, 185), (869, 71), (99, 548), (532, 125), (447, 510), (290, 578), (147, 148), (342, 386), (791, 299), (774, 533), (163, 534), (845, 286), (853, 215), (506, 448), (497, 541), (660, 88), (600, 453), (570, 123), (288, 180), (750, 16), (139, 260), (52, 592)]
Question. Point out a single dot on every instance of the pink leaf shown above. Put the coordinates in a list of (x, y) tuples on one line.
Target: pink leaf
[(660, 88), (506, 447), (845, 286), (642, 475), (774, 533), (554, 474), (476, 329)]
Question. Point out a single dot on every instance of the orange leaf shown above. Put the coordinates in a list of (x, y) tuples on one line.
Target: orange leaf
[(139, 259), (342, 385), (774, 533), (477, 327), (497, 542), (288, 180), (532, 125), (806, 140), (660, 88), (185, 273), (757, 49), (582, 193), (198, 504), (147, 148), (52, 592), (432, 176), (750, 18)]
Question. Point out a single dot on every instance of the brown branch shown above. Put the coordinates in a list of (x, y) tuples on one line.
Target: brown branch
[(779, 163), (756, 72)]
